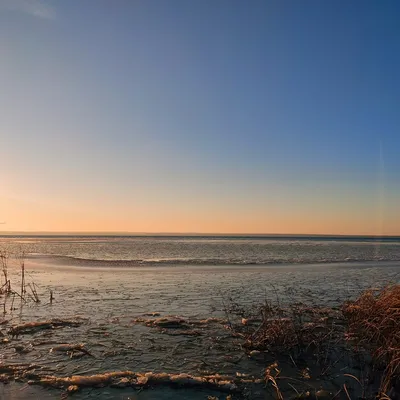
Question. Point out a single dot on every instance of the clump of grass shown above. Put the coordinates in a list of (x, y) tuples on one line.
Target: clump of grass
[(361, 337), (296, 327), (374, 324)]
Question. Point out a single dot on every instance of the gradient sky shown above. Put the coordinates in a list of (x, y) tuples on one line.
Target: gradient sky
[(200, 116)]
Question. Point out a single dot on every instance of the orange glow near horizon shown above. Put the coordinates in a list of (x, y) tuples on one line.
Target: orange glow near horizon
[(25, 216)]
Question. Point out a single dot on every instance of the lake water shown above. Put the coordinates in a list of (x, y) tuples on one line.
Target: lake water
[(206, 250), (111, 281)]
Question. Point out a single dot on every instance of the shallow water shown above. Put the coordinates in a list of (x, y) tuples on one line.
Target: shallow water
[(207, 250), (110, 299)]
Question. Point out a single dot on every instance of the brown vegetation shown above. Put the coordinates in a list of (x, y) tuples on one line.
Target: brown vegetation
[(364, 332), (297, 326), (7, 287), (374, 324)]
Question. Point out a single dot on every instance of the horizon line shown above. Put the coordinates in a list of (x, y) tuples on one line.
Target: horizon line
[(128, 233)]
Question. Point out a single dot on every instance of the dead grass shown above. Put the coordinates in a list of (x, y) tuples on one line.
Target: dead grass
[(297, 327), (374, 324), (363, 335)]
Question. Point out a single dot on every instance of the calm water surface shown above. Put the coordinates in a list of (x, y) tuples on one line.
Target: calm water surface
[(110, 281)]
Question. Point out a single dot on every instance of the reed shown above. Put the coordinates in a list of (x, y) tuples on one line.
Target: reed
[(364, 333), (374, 324), (4, 256)]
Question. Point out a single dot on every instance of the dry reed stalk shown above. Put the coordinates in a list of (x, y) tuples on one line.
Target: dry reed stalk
[(4, 264), (12, 303), (374, 324), (34, 292), (295, 327), (23, 289), (271, 374)]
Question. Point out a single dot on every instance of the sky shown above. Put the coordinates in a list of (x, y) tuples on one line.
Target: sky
[(212, 116)]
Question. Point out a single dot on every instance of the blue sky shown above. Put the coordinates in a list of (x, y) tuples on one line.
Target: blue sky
[(215, 116)]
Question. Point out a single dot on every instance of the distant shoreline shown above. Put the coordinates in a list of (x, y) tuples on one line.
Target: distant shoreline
[(5, 234)]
